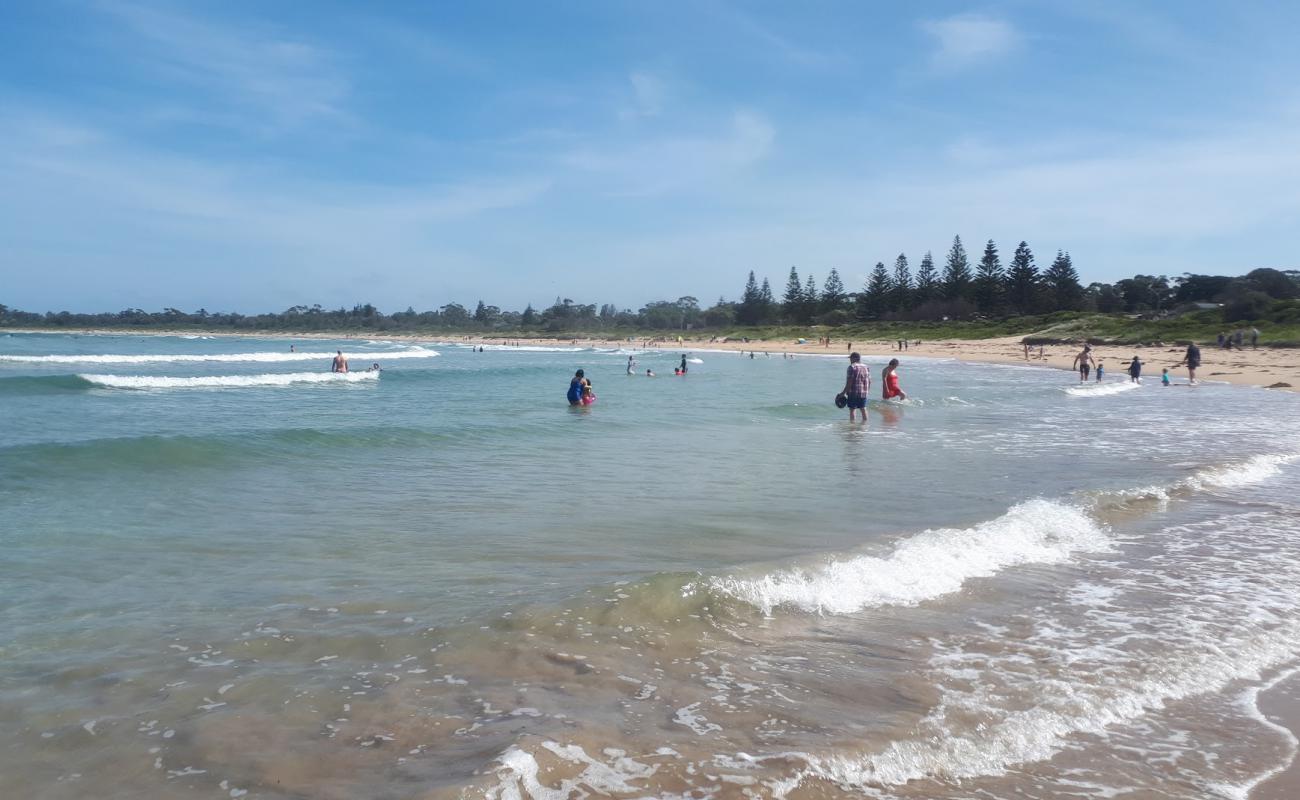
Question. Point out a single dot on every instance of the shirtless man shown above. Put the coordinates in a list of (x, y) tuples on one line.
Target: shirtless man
[(340, 364), (1084, 362)]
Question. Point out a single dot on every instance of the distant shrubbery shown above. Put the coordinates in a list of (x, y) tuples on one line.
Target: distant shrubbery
[(957, 292)]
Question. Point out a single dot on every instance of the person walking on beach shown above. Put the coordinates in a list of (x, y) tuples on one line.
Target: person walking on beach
[(889, 377), (857, 385), (1254, 338), (339, 364), (1135, 370), (1084, 362), (576, 387), (1192, 360)]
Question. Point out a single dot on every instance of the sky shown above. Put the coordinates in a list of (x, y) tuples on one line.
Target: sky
[(251, 156)]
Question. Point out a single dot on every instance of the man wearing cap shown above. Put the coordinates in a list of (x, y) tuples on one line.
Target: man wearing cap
[(857, 386)]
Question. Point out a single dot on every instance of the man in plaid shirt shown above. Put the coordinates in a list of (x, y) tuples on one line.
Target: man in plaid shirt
[(857, 385)]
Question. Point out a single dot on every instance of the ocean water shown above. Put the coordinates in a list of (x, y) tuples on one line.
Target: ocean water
[(227, 573)]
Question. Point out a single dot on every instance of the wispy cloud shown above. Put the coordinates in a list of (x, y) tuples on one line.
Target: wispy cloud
[(273, 79), (649, 94), (968, 39), (657, 164)]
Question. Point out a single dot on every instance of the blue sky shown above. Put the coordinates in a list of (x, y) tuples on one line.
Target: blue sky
[(251, 156)]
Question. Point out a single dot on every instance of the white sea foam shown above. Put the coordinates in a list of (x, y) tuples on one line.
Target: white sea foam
[(927, 565), (1228, 476), (226, 381), (1100, 389), (1244, 473), (1036, 734), (159, 358), (519, 774)]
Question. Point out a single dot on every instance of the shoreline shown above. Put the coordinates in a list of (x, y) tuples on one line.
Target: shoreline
[(1262, 368)]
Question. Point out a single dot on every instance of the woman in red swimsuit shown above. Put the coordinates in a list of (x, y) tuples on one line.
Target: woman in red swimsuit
[(889, 377)]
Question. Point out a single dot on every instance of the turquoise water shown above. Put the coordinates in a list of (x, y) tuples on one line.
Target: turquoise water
[(440, 579)]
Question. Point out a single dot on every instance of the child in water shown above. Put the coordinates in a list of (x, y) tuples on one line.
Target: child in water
[(588, 396), (1164, 377), (1101, 369)]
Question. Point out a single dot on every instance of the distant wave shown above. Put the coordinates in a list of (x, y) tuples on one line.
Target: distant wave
[(159, 358), (927, 565), (225, 381), (1100, 389), (1225, 476)]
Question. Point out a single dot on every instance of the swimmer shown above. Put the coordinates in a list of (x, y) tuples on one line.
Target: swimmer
[(649, 373), (890, 378), (374, 367), (588, 396), (339, 364), (576, 386), (631, 366)]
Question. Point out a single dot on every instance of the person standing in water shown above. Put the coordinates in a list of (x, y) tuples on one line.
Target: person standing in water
[(339, 364), (857, 385), (683, 363), (631, 366), (1192, 360), (1135, 370), (889, 376), (1084, 362), (576, 387)]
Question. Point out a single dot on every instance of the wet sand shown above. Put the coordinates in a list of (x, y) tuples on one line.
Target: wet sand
[(1280, 705)]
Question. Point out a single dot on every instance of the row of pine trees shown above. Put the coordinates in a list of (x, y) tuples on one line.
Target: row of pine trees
[(959, 290)]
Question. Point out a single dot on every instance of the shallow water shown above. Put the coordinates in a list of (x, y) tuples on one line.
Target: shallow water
[(228, 572)]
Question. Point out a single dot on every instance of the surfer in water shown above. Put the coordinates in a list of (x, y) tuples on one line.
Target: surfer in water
[(889, 376), (339, 364)]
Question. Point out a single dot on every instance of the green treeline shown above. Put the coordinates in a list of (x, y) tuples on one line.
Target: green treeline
[(956, 289)]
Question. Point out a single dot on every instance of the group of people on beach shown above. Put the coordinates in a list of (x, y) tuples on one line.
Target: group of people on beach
[(1237, 338), (1085, 362)]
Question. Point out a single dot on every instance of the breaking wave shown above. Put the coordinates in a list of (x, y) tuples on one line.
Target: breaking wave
[(226, 381), (149, 358)]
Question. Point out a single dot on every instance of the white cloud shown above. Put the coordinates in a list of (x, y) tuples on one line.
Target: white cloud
[(967, 39)]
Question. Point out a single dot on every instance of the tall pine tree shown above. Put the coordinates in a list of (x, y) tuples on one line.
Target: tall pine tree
[(927, 282), (874, 300), (956, 272), (833, 295), (809, 308), (792, 302), (1023, 281), (749, 311), (901, 285), (989, 295), (1063, 282), (766, 302)]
